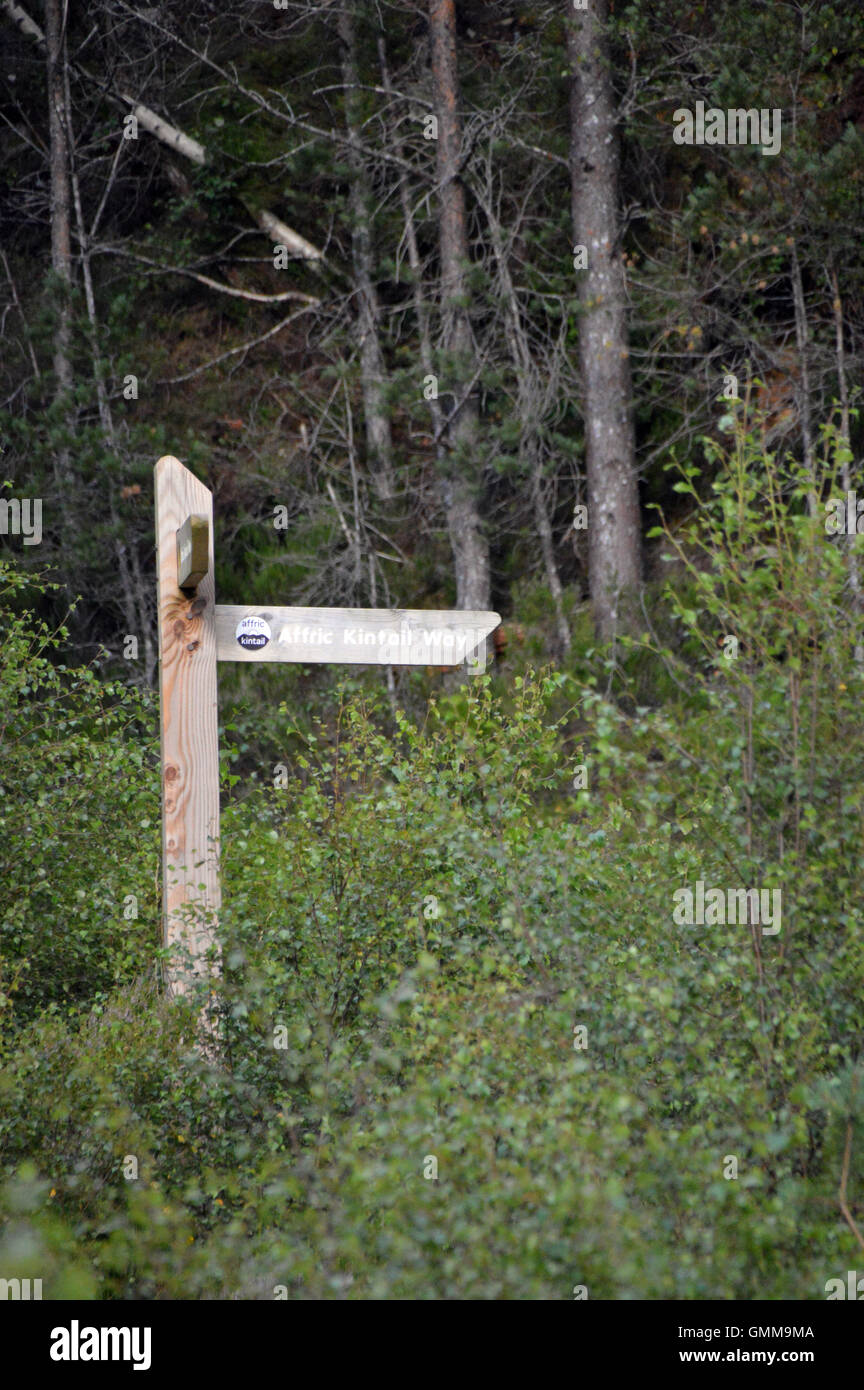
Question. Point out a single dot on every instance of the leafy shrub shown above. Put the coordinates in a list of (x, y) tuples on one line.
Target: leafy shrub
[(79, 822)]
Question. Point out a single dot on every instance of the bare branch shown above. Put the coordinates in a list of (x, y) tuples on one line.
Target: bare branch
[(238, 351)]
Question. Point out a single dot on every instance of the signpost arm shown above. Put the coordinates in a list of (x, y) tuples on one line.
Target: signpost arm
[(189, 731)]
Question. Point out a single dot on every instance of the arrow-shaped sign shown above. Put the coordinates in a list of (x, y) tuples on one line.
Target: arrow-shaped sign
[(362, 636)]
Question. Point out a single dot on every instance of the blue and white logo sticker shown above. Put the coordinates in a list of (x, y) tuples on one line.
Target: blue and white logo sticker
[(253, 633)]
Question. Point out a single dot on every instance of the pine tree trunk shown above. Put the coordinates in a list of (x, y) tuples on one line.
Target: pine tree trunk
[(614, 563), (379, 443), (461, 482), (61, 201)]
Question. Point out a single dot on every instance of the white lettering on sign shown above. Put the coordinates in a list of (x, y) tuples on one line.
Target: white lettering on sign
[(357, 637), (252, 633), (296, 632)]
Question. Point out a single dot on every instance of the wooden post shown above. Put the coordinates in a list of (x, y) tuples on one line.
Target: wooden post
[(189, 729)]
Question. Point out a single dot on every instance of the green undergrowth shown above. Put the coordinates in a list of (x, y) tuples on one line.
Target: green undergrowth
[(464, 1046)]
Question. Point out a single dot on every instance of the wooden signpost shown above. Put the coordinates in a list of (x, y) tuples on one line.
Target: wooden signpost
[(194, 634)]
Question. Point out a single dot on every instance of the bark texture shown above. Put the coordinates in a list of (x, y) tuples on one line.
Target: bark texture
[(61, 196), (460, 487), (379, 442), (614, 560)]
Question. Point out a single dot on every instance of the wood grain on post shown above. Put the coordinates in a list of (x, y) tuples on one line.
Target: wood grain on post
[(189, 733)]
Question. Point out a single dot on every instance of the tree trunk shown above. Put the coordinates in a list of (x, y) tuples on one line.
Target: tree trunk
[(530, 405), (802, 339), (460, 487), (61, 245), (845, 434), (614, 566), (133, 595), (547, 548), (421, 308), (379, 443)]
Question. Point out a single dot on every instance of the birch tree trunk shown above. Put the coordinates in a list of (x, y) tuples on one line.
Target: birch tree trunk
[(614, 565), (460, 485)]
